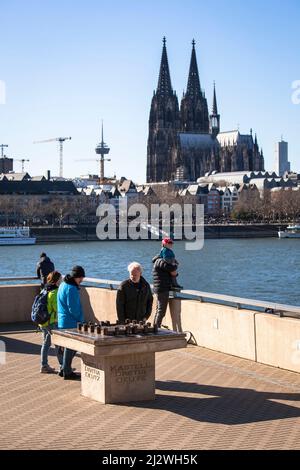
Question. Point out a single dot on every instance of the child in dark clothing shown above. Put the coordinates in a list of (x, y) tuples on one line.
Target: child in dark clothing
[(168, 255)]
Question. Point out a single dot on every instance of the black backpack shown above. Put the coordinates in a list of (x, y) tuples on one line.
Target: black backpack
[(39, 311)]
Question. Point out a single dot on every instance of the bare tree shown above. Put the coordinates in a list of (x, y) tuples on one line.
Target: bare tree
[(286, 204), (8, 207), (31, 208), (60, 208), (83, 206)]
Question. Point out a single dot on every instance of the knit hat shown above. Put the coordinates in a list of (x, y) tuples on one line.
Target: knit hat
[(77, 271), (167, 241)]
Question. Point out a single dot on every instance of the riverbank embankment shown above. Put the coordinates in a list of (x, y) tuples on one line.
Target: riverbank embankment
[(216, 231)]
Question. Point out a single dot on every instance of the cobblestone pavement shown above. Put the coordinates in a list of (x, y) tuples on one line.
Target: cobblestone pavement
[(204, 400)]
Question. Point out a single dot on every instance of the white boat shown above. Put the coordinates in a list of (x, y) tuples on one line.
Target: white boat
[(16, 236), (292, 231)]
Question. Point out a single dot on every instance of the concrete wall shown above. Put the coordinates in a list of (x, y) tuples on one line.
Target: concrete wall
[(16, 302), (244, 333), (214, 326), (99, 304), (256, 336), (278, 341)]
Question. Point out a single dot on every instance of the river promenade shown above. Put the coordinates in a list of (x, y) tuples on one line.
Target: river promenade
[(204, 400), (236, 385)]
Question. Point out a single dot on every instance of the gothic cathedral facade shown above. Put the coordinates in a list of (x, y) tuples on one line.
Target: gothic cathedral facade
[(185, 143)]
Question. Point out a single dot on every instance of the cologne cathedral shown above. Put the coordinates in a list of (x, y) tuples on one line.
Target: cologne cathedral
[(185, 143)]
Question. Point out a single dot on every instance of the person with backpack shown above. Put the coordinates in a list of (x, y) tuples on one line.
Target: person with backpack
[(44, 267), (69, 314), (50, 294)]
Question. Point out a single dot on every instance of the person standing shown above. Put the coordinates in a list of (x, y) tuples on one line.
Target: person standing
[(53, 281), (168, 255), (162, 284), (134, 296), (44, 267), (69, 313)]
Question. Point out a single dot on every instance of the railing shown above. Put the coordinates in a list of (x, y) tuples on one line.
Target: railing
[(238, 302), (23, 278)]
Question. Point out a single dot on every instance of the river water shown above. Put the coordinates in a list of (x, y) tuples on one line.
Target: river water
[(263, 269)]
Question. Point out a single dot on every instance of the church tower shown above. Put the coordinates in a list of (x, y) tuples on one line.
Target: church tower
[(194, 110), (163, 126), (214, 117)]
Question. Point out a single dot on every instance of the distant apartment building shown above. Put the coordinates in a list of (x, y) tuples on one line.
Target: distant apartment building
[(6, 165), (22, 184), (228, 197), (213, 201), (282, 164), (127, 189)]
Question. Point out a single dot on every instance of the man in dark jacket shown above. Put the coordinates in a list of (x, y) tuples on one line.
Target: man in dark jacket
[(44, 267), (134, 296), (162, 283)]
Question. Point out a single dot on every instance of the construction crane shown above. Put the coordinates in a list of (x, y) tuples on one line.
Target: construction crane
[(61, 142), (2, 147), (23, 160)]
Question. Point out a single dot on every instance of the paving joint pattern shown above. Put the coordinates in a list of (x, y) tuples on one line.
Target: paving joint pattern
[(204, 400)]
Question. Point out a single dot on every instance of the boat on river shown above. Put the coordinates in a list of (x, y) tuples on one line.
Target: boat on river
[(16, 236), (292, 231)]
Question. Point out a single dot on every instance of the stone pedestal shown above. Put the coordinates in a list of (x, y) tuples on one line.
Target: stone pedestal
[(117, 369), (117, 379)]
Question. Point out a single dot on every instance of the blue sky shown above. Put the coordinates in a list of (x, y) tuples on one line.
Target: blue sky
[(68, 64)]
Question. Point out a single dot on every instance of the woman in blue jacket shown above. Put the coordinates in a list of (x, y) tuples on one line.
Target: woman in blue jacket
[(69, 313)]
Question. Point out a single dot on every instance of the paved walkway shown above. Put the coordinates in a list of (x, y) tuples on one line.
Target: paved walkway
[(204, 400)]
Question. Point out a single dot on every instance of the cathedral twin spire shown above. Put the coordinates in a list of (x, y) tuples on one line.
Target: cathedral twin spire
[(164, 87), (194, 110), (193, 86)]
